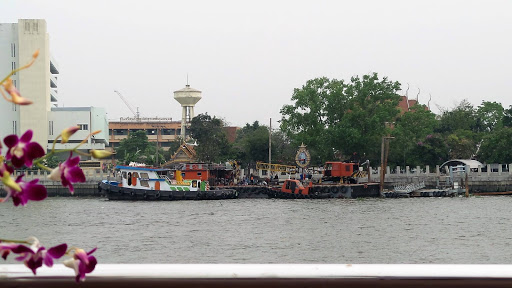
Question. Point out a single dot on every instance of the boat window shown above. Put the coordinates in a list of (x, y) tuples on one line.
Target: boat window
[(144, 175), (135, 174), (144, 183), (199, 174), (288, 184), (347, 168), (194, 183), (129, 178), (124, 175)]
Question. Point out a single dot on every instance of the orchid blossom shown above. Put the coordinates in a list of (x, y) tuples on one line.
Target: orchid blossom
[(16, 98), (29, 191), (68, 173), (82, 263), (21, 150), (35, 255), (66, 133), (100, 154)]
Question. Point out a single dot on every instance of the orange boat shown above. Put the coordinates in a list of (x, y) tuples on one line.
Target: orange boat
[(293, 189)]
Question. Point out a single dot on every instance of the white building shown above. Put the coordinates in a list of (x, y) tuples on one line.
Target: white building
[(89, 119), (18, 42)]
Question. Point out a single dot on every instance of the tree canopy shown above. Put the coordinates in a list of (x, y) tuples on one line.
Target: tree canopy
[(137, 148), (213, 145), (337, 118)]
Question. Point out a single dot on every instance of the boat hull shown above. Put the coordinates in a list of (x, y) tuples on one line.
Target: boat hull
[(114, 192), (347, 191)]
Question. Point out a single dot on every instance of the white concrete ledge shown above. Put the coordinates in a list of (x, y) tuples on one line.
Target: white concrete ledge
[(208, 271)]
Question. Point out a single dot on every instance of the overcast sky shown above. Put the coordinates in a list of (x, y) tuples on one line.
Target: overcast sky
[(248, 56)]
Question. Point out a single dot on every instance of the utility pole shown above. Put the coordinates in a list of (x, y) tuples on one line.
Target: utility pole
[(156, 150), (270, 144), (384, 158)]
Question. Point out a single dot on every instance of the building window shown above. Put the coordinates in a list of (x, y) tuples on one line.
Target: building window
[(120, 132), (13, 127), (13, 66), (168, 132), (14, 82), (14, 107), (13, 49), (83, 126), (50, 127)]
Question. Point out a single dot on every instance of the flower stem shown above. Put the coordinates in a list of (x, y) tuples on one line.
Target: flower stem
[(14, 241)]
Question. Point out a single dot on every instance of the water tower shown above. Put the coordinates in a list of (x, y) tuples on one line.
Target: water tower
[(187, 97)]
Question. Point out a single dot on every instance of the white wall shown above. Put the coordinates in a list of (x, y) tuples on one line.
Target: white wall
[(9, 112), (63, 118), (35, 81)]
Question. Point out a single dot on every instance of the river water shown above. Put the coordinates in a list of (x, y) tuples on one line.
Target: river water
[(415, 230)]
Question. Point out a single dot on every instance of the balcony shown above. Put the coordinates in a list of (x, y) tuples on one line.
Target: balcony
[(54, 66), (53, 94), (53, 81)]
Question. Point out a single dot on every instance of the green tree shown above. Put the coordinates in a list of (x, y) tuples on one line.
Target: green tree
[(318, 104), (410, 129), (495, 147), (462, 144), (283, 150), (134, 148), (213, 145), (461, 128), (490, 116), (51, 161), (332, 117), (433, 150), (251, 144), (507, 117), (462, 117)]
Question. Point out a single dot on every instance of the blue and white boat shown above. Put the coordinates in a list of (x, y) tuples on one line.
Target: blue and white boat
[(150, 183)]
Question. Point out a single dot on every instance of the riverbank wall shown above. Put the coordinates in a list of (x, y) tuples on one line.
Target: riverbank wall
[(55, 188), (489, 178)]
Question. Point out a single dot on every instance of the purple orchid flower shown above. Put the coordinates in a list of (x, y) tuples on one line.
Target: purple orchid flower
[(29, 191), (82, 263), (33, 259), (21, 150), (68, 173)]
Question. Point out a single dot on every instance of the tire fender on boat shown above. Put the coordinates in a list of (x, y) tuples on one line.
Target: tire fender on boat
[(157, 195), (145, 195), (132, 194)]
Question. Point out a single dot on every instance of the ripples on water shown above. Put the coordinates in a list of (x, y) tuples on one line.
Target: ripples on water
[(416, 230)]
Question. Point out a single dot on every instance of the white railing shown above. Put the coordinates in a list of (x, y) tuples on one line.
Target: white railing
[(267, 275)]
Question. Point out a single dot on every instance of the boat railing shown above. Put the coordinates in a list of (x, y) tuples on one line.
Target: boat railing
[(116, 178)]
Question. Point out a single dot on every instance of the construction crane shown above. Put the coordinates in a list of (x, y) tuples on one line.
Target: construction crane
[(136, 114)]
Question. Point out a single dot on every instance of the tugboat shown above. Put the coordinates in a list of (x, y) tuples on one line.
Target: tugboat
[(150, 183), (293, 188)]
